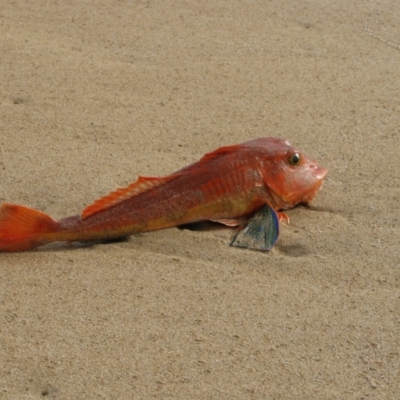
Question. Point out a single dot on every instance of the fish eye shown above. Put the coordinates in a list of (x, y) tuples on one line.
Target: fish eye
[(294, 159)]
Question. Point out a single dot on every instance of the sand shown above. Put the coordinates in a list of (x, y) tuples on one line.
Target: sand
[(95, 93)]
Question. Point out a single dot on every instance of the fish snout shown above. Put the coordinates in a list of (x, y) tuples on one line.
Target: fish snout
[(316, 177), (318, 172), (321, 172)]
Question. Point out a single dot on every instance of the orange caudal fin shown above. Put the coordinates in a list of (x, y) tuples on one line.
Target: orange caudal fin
[(22, 228)]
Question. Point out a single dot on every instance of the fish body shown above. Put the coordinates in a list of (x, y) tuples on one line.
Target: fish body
[(228, 185)]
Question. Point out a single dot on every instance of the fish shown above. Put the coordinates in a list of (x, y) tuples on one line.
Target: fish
[(247, 186)]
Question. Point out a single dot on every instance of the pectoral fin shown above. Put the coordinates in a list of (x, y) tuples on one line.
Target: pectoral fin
[(261, 231), (231, 221)]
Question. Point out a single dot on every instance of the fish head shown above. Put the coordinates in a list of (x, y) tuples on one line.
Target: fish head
[(290, 176)]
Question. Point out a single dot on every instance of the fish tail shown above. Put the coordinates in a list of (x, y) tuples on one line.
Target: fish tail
[(23, 228)]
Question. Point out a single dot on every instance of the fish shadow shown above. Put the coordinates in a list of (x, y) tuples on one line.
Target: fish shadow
[(293, 250), (204, 226), (65, 246)]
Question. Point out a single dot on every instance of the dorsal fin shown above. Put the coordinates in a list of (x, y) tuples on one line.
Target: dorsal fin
[(143, 184), (220, 152)]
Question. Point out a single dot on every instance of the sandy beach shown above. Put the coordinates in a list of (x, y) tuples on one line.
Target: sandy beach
[(95, 93)]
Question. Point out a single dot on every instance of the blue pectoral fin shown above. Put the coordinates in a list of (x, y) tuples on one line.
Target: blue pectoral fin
[(261, 231)]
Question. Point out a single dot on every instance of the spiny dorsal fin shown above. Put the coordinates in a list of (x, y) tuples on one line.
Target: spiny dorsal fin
[(143, 184), (222, 151)]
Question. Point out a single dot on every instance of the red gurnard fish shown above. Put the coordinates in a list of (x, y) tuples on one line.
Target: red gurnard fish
[(234, 185)]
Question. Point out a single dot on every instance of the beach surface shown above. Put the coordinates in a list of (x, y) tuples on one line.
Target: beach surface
[(95, 93)]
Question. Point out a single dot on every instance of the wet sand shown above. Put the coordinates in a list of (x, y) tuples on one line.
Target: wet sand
[(95, 93)]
